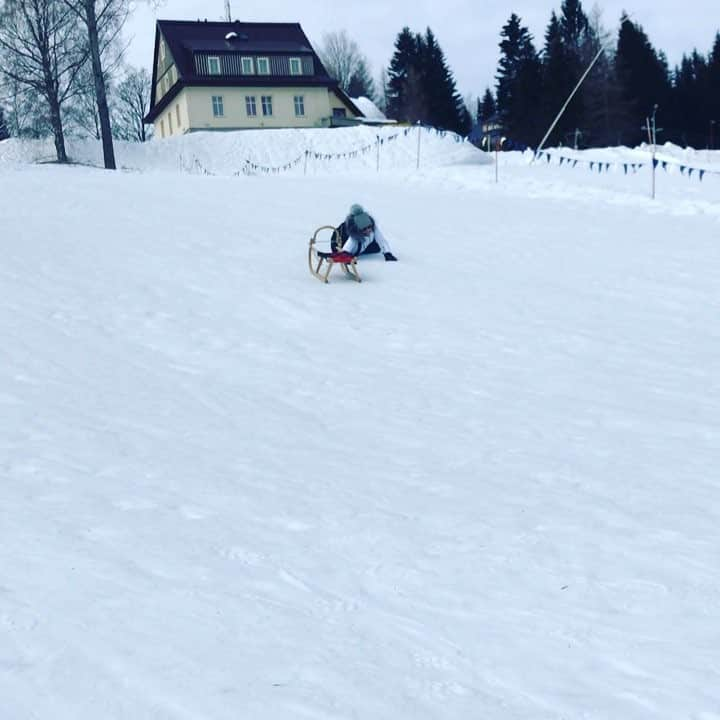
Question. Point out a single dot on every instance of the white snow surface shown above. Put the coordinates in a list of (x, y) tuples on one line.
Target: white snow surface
[(481, 484)]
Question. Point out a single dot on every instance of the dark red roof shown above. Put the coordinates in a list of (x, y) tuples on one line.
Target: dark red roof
[(186, 37)]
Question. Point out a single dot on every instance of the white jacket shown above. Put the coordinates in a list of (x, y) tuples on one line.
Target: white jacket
[(356, 244)]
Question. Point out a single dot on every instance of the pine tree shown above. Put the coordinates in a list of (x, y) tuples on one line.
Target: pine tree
[(405, 99), (601, 94), (575, 36), (690, 106), (361, 83), (643, 79), (713, 79), (486, 107), (519, 84), (574, 27), (557, 80), (445, 108)]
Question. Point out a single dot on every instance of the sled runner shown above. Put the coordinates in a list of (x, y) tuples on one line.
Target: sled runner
[(322, 263)]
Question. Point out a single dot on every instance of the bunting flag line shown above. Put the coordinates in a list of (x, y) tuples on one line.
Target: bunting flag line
[(604, 166), (250, 167)]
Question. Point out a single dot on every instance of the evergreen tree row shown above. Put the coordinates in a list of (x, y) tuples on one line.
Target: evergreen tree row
[(420, 86), (629, 81)]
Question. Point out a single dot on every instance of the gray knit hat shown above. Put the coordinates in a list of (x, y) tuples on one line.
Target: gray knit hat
[(361, 219)]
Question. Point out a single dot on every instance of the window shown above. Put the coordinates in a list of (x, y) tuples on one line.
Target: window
[(250, 106), (162, 128), (299, 101), (266, 104), (214, 65), (263, 66), (339, 112), (177, 116), (173, 75), (162, 51), (295, 66), (247, 66), (217, 103), (170, 130)]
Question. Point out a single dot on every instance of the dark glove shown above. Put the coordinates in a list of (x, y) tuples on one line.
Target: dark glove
[(389, 257)]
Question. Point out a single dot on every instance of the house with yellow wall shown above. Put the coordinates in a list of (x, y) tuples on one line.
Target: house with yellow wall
[(236, 75)]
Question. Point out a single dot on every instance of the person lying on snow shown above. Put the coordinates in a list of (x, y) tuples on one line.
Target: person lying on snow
[(359, 234)]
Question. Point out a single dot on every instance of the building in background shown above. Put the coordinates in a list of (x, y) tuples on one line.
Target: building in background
[(235, 75)]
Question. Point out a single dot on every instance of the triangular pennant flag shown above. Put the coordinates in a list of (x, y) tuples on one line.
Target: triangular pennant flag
[(607, 166), (655, 162), (625, 167), (690, 172), (702, 172), (575, 163), (682, 169), (664, 165), (592, 165)]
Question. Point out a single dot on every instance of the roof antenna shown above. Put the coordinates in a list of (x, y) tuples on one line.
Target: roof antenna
[(228, 17)]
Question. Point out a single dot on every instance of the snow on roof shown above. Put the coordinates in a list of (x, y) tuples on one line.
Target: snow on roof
[(369, 109)]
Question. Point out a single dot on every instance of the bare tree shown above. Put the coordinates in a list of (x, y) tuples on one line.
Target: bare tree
[(42, 50), (4, 132), (383, 93), (23, 105), (82, 113), (132, 101), (103, 21), (342, 58)]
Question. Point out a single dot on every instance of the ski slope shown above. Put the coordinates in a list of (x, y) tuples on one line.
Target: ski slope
[(481, 484)]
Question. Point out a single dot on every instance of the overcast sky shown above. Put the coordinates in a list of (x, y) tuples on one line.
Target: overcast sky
[(467, 30)]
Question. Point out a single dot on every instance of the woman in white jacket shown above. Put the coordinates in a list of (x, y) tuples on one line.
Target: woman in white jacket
[(359, 234)]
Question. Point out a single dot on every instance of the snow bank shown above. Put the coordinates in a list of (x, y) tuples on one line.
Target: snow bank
[(335, 151)]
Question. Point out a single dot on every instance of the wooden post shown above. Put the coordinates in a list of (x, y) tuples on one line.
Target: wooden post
[(378, 153)]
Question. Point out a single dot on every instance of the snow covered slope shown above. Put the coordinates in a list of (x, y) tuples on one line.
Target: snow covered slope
[(481, 484), (336, 151)]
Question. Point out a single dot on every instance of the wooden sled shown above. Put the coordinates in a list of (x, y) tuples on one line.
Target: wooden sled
[(322, 263)]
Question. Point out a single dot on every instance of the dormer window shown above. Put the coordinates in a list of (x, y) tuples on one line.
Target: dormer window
[(263, 66), (214, 65), (247, 66), (295, 66)]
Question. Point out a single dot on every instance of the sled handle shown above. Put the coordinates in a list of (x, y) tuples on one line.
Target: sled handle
[(313, 239)]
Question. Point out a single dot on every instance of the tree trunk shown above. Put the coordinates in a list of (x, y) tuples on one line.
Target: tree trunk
[(57, 128), (100, 93)]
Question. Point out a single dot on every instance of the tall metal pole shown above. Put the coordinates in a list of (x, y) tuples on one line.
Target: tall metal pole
[(228, 15), (497, 157), (567, 102), (419, 127), (652, 132)]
